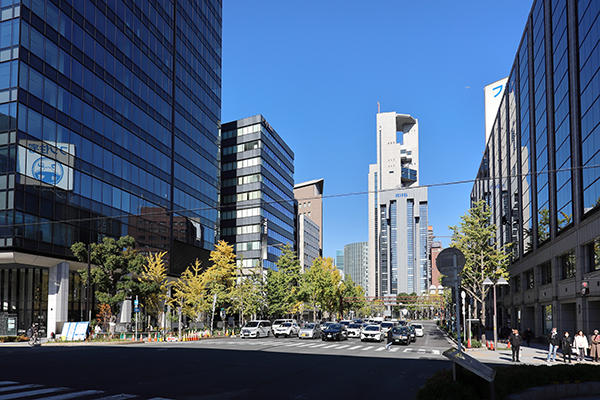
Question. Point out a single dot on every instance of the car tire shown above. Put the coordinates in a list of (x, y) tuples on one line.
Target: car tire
[(362, 340)]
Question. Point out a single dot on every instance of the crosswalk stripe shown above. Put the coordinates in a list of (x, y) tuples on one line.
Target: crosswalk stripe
[(7, 383), (422, 351), (330, 346), (367, 348), (394, 350), (343, 347), (318, 345), (71, 395), (119, 397), (380, 349), (18, 387), (407, 351), (31, 393), (293, 344), (355, 347), (435, 351)]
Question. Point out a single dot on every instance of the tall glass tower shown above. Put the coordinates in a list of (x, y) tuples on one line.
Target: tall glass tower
[(109, 126)]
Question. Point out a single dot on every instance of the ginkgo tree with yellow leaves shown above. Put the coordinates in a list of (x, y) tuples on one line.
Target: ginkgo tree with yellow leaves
[(154, 285)]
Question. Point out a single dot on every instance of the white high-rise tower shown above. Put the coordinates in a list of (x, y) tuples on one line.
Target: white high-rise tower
[(397, 210)]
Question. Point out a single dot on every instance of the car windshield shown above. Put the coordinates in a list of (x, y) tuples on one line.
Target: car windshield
[(372, 328), (278, 321), (252, 324), (387, 324), (334, 327), (287, 324), (308, 326), (353, 326), (401, 330), (418, 326)]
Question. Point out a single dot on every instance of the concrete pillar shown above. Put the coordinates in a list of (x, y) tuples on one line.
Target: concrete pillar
[(58, 296)]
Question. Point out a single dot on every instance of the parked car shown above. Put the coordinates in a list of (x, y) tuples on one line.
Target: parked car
[(287, 329), (401, 335), (256, 329), (354, 330), (413, 334), (418, 330), (335, 332), (372, 332), (345, 322), (310, 330)]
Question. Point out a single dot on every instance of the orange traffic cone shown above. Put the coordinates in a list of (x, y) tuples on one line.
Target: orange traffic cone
[(509, 345)]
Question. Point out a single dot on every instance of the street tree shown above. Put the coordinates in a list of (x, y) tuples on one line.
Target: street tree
[(115, 262), (247, 295), (189, 293), (283, 285), (219, 277), (484, 258), (155, 285), (353, 296)]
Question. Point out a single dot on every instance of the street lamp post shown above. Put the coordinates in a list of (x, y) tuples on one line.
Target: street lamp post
[(487, 282)]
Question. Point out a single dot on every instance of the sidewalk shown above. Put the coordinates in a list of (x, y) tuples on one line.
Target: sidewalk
[(536, 354)]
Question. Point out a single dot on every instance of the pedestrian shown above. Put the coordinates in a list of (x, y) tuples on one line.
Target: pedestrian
[(566, 344), (515, 341), (390, 339), (553, 342), (595, 349), (581, 344), (528, 335)]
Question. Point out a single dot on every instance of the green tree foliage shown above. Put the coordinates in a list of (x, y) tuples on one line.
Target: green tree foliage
[(353, 296), (247, 297), (115, 261), (190, 293), (475, 237), (283, 285)]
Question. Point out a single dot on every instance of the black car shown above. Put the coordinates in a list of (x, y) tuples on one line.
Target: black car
[(413, 334), (334, 332), (401, 335)]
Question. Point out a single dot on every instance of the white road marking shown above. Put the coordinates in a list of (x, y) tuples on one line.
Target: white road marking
[(355, 347), (367, 348), (119, 397), (344, 346), (331, 346), (394, 350), (18, 387), (435, 352), (31, 393), (380, 349)]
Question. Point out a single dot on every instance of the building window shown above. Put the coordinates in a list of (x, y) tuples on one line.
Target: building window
[(516, 280), (547, 318), (546, 270), (594, 255), (567, 264), (529, 279)]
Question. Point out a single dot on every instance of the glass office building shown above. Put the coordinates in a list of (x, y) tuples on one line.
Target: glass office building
[(540, 173), (258, 212), (109, 117)]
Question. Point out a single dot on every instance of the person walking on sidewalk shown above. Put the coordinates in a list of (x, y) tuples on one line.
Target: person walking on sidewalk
[(390, 339), (553, 342), (595, 349), (566, 344), (528, 335), (581, 344), (515, 342)]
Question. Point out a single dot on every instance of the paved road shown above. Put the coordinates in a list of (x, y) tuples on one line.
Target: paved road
[(224, 369)]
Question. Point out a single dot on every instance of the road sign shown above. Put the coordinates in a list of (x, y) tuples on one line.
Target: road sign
[(445, 261), (136, 309), (136, 302)]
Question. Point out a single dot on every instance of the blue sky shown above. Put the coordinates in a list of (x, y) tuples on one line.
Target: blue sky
[(316, 70)]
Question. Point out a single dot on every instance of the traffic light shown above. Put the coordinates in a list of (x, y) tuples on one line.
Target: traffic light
[(585, 288)]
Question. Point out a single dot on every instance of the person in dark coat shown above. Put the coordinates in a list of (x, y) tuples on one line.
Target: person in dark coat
[(528, 335), (566, 343), (515, 340), (553, 342), (390, 339)]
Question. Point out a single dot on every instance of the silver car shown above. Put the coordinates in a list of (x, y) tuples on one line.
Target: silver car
[(309, 330), (354, 330)]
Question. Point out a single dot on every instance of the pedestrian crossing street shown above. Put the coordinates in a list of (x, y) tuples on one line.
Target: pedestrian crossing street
[(14, 390), (375, 347)]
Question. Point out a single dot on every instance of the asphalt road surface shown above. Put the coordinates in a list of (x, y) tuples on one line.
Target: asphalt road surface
[(234, 368)]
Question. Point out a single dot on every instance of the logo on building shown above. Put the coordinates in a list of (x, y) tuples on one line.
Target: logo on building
[(401, 194), (47, 171)]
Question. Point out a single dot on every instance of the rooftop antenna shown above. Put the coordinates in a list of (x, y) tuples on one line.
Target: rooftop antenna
[(378, 108)]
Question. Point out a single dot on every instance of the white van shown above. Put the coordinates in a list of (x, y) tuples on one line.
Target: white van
[(256, 329), (277, 323)]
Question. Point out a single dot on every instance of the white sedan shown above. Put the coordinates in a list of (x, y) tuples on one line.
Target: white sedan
[(372, 332), (354, 330), (418, 330)]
